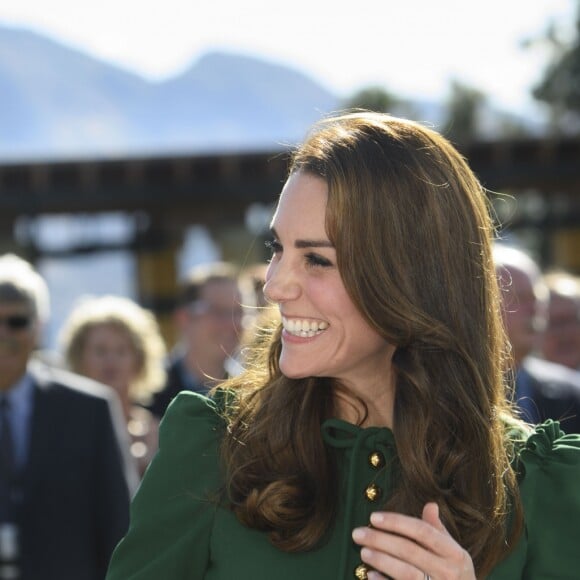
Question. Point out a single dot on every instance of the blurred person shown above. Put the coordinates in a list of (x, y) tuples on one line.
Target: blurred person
[(252, 280), (560, 341), (261, 315), (543, 389), (208, 319), (371, 436), (64, 484), (115, 341)]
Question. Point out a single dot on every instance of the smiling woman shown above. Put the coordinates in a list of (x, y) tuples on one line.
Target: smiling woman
[(324, 333), (379, 399)]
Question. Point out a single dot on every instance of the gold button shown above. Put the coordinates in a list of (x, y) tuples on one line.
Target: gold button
[(373, 492), (376, 459), (361, 571)]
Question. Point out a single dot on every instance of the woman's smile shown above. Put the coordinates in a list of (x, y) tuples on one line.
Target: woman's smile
[(303, 327), (304, 281)]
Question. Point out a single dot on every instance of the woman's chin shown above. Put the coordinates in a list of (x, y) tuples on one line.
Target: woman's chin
[(293, 373)]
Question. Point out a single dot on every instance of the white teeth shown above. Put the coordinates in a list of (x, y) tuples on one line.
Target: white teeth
[(304, 328)]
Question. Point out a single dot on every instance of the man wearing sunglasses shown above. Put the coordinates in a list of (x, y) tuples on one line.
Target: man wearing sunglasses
[(64, 490)]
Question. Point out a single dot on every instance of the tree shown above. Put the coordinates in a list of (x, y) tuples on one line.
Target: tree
[(464, 108), (376, 98), (560, 85)]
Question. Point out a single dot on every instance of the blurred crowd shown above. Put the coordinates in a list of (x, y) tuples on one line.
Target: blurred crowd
[(542, 319), (79, 427)]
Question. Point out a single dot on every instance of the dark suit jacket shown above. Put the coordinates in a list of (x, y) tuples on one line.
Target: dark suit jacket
[(554, 392), (177, 381), (76, 498)]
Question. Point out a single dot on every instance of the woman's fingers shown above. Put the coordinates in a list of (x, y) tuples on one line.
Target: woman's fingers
[(385, 566), (395, 555), (420, 531), (406, 547), (431, 516)]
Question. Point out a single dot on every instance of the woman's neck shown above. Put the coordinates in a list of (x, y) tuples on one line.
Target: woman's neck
[(371, 406)]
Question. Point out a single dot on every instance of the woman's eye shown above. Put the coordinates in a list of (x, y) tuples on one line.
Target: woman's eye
[(317, 260), (274, 246)]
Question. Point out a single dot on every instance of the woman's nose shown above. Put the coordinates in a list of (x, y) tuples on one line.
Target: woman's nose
[(281, 285)]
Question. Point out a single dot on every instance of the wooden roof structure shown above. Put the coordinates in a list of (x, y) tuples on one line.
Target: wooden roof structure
[(218, 185), (540, 176), (173, 192)]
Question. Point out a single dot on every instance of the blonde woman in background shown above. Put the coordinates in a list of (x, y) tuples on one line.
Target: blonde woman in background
[(115, 341)]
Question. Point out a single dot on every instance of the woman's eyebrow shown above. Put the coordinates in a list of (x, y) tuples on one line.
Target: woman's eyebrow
[(301, 244), (313, 244)]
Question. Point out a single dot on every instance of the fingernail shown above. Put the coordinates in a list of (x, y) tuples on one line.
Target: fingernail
[(377, 517), (358, 534)]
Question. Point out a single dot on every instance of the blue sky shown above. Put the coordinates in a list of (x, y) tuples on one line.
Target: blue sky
[(411, 47)]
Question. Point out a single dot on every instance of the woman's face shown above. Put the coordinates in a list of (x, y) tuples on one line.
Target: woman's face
[(324, 334), (109, 357)]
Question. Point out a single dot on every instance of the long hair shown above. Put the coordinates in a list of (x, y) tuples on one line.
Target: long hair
[(412, 233)]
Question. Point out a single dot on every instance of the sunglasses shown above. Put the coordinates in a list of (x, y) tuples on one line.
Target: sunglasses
[(16, 321), (201, 307)]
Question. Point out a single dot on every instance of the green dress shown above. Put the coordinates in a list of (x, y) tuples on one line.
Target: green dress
[(178, 532)]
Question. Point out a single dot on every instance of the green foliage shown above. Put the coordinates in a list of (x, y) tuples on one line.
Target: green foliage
[(376, 98), (560, 85), (463, 111), (373, 99)]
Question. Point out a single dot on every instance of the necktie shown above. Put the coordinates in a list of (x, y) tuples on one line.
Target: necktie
[(7, 464)]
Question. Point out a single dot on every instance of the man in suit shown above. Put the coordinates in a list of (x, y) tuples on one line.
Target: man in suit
[(543, 390), (208, 318), (64, 489)]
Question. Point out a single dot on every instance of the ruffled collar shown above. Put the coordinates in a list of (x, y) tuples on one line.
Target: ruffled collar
[(343, 435), (541, 440)]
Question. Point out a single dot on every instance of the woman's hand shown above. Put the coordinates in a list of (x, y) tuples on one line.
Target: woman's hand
[(407, 548)]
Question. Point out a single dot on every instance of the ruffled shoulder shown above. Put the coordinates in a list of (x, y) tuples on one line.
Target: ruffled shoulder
[(547, 445), (548, 463)]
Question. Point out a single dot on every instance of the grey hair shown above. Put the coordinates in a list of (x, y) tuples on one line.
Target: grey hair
[(505, 256), (21, 283)]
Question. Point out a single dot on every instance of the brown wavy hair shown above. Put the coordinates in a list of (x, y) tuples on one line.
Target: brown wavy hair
[(412, 232)]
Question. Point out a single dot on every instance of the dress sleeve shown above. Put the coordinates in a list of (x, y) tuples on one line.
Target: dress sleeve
[(550, 491), (173, 511)]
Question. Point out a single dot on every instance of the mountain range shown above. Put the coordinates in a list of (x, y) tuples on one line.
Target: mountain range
[(58, 102)]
